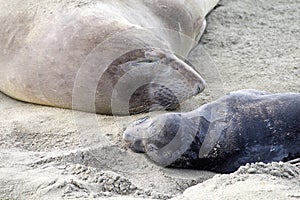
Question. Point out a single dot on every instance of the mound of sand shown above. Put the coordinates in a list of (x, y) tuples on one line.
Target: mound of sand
[(259, 181)]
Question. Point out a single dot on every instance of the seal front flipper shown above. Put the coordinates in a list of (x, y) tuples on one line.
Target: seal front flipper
[(295, 162)]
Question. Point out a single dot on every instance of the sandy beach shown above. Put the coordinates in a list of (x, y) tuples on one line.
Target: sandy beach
[(52, 153)]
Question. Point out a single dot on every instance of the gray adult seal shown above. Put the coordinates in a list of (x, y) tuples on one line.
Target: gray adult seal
[(45, 46), (243, 127)]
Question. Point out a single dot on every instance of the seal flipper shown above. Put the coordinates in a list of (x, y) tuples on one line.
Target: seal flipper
[(295, 162), (257, 153)]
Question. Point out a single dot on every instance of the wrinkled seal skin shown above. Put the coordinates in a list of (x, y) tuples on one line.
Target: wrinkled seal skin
[(44, 43), (246, 126)]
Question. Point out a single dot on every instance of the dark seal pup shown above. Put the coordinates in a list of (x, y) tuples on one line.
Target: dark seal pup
[(243, 127)]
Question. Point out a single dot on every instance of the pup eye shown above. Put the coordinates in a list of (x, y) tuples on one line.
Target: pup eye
[(141, 120), (151, 147)]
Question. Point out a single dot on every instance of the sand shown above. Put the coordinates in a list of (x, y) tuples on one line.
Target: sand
[(51, 153)]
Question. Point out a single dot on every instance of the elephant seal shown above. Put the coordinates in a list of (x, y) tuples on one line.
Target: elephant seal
[(71, 54), (243, 127)]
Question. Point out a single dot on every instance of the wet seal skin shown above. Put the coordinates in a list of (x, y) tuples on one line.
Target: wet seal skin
[(71, 54), (242, 127)]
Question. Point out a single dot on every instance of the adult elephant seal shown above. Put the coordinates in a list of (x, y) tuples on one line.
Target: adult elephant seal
[(243, 127), (72, 54)]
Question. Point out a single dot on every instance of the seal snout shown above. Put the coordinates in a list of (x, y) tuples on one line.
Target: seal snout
[(137, 146), (199, 83), (193, 78), (133, 143), (200, 87), (132, 137), (127, 136)]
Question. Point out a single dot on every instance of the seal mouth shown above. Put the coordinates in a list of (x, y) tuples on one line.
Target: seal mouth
[(199, 84), (188, 70), (136, 145), (151, 97), (199, 89), (184, 82)]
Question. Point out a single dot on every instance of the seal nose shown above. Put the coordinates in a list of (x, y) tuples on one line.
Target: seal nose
[(137, 146), (127, 136), (198, 84), (133, 143), (193, 77), (200, 87)]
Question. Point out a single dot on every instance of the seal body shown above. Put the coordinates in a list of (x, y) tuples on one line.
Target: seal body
[(244, 127), (55, 51)]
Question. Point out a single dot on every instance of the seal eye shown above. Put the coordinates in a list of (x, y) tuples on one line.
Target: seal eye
[(141, 120), (151, 147)]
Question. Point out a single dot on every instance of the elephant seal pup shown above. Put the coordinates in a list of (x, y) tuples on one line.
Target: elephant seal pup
[(72, 54), (243, 127)]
